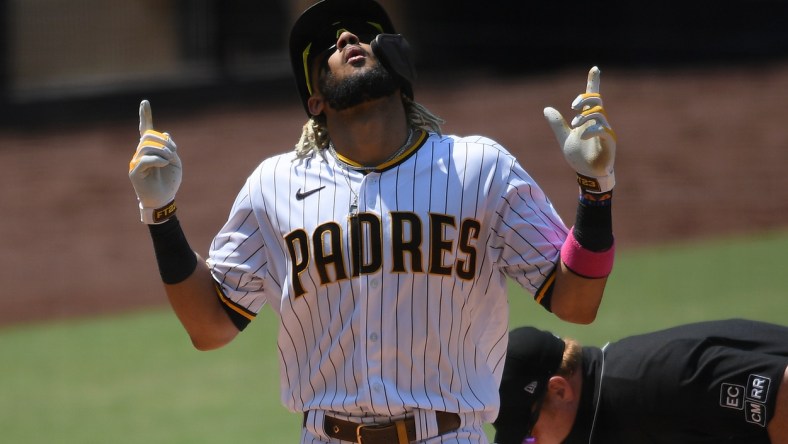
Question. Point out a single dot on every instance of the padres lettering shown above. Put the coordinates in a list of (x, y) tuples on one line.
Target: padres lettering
[(325, 247)]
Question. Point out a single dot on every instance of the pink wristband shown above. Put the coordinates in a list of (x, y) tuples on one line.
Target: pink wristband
[(586, 263)]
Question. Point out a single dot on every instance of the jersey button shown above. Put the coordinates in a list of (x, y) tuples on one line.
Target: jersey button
[(374, 283), (373, 337)]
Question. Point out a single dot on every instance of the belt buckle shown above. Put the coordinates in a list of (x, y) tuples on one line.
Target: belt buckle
[(362, 427)]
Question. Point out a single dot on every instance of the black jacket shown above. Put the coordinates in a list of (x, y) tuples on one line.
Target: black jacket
[(709, 382)]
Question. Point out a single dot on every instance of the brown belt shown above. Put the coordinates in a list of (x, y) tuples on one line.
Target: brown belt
[(397, 432)]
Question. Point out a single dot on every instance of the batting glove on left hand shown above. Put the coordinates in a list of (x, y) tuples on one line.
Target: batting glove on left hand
[(155, 171), (589, 144)]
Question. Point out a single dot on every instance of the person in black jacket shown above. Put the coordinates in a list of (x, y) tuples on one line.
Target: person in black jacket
[(706, 382)]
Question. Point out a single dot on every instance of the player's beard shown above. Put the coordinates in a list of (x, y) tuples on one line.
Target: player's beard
[(346, 93)]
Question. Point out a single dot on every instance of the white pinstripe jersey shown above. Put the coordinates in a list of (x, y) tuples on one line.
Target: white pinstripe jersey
[(404, 305)]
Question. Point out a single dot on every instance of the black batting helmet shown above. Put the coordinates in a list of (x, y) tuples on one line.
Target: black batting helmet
[(319, 26)]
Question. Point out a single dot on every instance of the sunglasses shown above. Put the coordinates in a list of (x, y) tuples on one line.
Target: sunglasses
[(325, 41)]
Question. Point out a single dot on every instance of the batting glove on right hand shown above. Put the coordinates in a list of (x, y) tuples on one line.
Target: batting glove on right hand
[(155, 171), (589, 144)]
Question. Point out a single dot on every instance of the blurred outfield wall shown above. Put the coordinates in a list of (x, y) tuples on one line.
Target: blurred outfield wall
[(69, 59)]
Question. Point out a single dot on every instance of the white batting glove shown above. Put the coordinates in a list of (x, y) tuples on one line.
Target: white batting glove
[(589, 144), (155, 171)]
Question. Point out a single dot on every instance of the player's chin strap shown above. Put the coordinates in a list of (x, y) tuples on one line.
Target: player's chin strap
[(394, 53)]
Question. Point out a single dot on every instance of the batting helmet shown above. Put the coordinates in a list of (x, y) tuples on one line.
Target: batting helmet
[(319, 26), (533, 356)]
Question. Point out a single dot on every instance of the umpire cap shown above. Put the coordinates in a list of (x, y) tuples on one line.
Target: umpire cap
[(533, 356), (319, 26)]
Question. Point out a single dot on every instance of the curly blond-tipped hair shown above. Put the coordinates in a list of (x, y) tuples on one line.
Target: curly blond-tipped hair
[(314, 135)]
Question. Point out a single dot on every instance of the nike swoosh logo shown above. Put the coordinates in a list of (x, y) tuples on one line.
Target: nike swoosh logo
[(305, 194)]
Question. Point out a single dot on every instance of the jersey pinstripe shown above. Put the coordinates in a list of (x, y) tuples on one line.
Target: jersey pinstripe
[(400, 303)]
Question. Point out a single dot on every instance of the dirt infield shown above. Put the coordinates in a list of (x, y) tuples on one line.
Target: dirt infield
[(702, 153)]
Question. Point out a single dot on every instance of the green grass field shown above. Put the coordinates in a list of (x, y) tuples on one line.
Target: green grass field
[(136, 379)]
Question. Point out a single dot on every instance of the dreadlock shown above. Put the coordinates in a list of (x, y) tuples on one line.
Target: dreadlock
[(314, 134)]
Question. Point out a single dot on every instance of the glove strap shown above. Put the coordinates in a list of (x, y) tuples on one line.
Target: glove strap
[(596, 184), (155, 216)]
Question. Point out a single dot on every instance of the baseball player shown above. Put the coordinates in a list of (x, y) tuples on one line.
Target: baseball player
[(383, 245), (707, 382)]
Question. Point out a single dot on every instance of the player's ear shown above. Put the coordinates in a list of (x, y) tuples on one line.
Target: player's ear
[(315, 104)]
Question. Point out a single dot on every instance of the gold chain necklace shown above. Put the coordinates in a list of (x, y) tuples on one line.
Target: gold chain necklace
[(362, 169), (353, 210)]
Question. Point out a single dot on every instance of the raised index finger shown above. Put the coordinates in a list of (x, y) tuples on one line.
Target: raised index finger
[(592, 85), (146, 117)]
